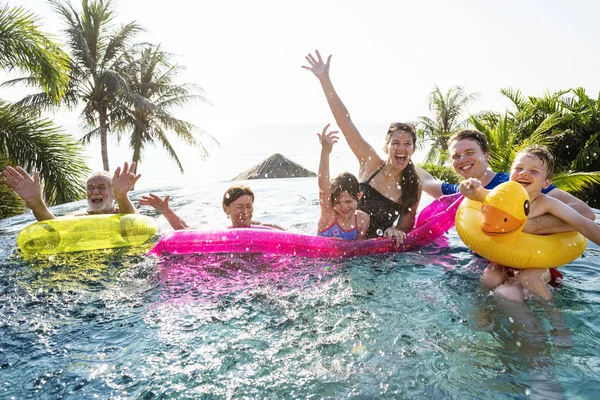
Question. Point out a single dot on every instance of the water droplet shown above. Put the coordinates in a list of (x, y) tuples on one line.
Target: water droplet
[(379, 232)]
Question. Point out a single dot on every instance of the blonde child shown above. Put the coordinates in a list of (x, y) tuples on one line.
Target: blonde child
[(532, 168), (338, 199)]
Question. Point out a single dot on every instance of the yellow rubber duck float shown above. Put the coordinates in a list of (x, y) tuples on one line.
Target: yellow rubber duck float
[(494, 230)]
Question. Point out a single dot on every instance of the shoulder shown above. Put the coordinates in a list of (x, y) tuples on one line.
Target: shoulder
[(369, 168), (499, 177)]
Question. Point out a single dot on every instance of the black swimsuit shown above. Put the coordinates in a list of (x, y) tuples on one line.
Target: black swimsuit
[(383, 211)]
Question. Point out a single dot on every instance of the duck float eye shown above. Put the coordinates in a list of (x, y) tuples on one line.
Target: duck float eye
[(526, 207)]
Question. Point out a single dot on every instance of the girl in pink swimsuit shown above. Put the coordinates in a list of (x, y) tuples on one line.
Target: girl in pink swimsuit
[(338, 199)]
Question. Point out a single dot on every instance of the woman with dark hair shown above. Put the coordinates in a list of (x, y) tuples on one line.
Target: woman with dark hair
[(391, 187)]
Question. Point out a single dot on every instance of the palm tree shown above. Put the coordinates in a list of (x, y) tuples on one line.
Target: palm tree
[(447, 109), (145, 112), (26, 139), (96, 55)]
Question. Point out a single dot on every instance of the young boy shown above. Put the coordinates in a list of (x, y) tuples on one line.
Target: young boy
[(532, 168)]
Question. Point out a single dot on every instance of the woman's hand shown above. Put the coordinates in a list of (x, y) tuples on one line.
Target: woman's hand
[(396, 235), (317, 66)]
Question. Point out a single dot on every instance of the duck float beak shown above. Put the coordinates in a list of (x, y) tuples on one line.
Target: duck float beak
[(504, 211)]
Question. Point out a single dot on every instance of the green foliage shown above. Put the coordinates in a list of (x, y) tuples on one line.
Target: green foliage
[(566, 122), (443, 173), (25, 139), (24, 47), (447, 108), (38, 144)]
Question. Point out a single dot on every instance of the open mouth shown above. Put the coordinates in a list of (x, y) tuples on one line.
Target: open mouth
[(401, 158), (523, 182), (97, 200), (466, 167)]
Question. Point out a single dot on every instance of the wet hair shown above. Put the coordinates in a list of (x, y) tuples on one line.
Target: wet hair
[(473, 135), (542, 154), (235, 192), (344, 182), (409, 180)]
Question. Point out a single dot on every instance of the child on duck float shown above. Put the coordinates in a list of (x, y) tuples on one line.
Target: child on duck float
[(532, 168)]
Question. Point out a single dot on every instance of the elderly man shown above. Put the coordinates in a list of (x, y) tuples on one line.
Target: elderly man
[(470, 154), (102, 191)]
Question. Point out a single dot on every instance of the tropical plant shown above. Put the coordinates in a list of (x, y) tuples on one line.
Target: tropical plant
[(25, 48), (441, 172), (145, 113), (447, 109), (547, 121), (38, 144), (25, 139), (96, 55)]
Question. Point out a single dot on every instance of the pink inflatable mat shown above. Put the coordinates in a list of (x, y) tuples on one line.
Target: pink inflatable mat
[(432, 222)]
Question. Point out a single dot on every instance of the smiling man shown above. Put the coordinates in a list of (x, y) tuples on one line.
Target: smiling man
[(469, 152), (102, 191)]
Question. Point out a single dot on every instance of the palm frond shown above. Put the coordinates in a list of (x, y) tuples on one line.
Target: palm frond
[(26, 48), (575, 182)]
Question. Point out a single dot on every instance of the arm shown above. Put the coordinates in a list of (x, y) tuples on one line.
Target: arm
[(430, 185), (123, 181), (29, 189), (471, 188), (162, 205), (547, 223), (363, 224), (327, 140), (585, 226), (359, 146), (405, 223)]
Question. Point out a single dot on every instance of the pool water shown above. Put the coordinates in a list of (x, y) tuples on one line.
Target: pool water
[(116, 324)]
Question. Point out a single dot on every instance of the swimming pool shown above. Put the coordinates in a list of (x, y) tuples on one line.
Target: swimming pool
[(411, 325)]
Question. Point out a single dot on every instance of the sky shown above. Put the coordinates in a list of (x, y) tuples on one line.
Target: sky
[(387, 57)]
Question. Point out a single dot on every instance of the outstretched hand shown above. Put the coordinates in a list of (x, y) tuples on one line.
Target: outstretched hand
[(155, 201), (317, 66), (469, 187), (124, 180), (28, 188), (328, 139)]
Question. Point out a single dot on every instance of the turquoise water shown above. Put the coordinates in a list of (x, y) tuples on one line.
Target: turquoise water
[(411, 325)]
